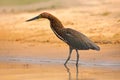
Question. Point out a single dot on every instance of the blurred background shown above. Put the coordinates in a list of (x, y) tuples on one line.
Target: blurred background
[(95, 18)]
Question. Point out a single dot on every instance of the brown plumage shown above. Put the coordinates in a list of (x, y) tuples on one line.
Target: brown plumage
[(73, 38)]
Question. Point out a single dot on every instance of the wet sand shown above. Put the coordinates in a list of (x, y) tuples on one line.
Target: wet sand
[(21, 62), (18, 71)]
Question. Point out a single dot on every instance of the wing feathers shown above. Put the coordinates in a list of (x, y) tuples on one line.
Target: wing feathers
[(79, 41)]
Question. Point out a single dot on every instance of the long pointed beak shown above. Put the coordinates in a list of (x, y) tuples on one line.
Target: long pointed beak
[(37, 17)]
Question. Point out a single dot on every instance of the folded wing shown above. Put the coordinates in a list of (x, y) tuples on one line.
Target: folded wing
[(78, 40)]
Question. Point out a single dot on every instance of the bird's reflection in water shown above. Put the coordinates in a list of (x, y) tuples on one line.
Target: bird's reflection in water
[(69, 73)]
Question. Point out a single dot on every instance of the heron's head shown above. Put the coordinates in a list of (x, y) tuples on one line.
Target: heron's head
[(42, 15)]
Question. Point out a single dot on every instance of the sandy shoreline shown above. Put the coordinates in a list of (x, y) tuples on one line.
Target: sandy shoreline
[(55, 51), (32, 61)]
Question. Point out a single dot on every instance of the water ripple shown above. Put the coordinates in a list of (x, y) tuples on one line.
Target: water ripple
[(30, 60)]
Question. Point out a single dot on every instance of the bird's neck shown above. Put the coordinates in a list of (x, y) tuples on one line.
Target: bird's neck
[(57, 27), (55, 24)]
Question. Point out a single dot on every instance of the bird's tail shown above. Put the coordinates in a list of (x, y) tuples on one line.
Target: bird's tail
[(97, 48), (94, 47)]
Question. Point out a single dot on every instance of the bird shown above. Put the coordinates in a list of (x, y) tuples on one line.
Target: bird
[(73, 38)]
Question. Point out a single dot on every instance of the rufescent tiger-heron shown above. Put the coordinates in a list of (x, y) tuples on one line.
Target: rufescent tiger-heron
[(73, 38)]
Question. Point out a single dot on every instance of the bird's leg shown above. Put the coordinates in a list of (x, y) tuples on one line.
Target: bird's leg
[(77, 57), (70, 51), (68, 71), (77, 72)]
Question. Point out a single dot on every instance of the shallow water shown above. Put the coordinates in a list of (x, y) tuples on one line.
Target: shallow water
[(54, 71), (30, 60), (21, 62)]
